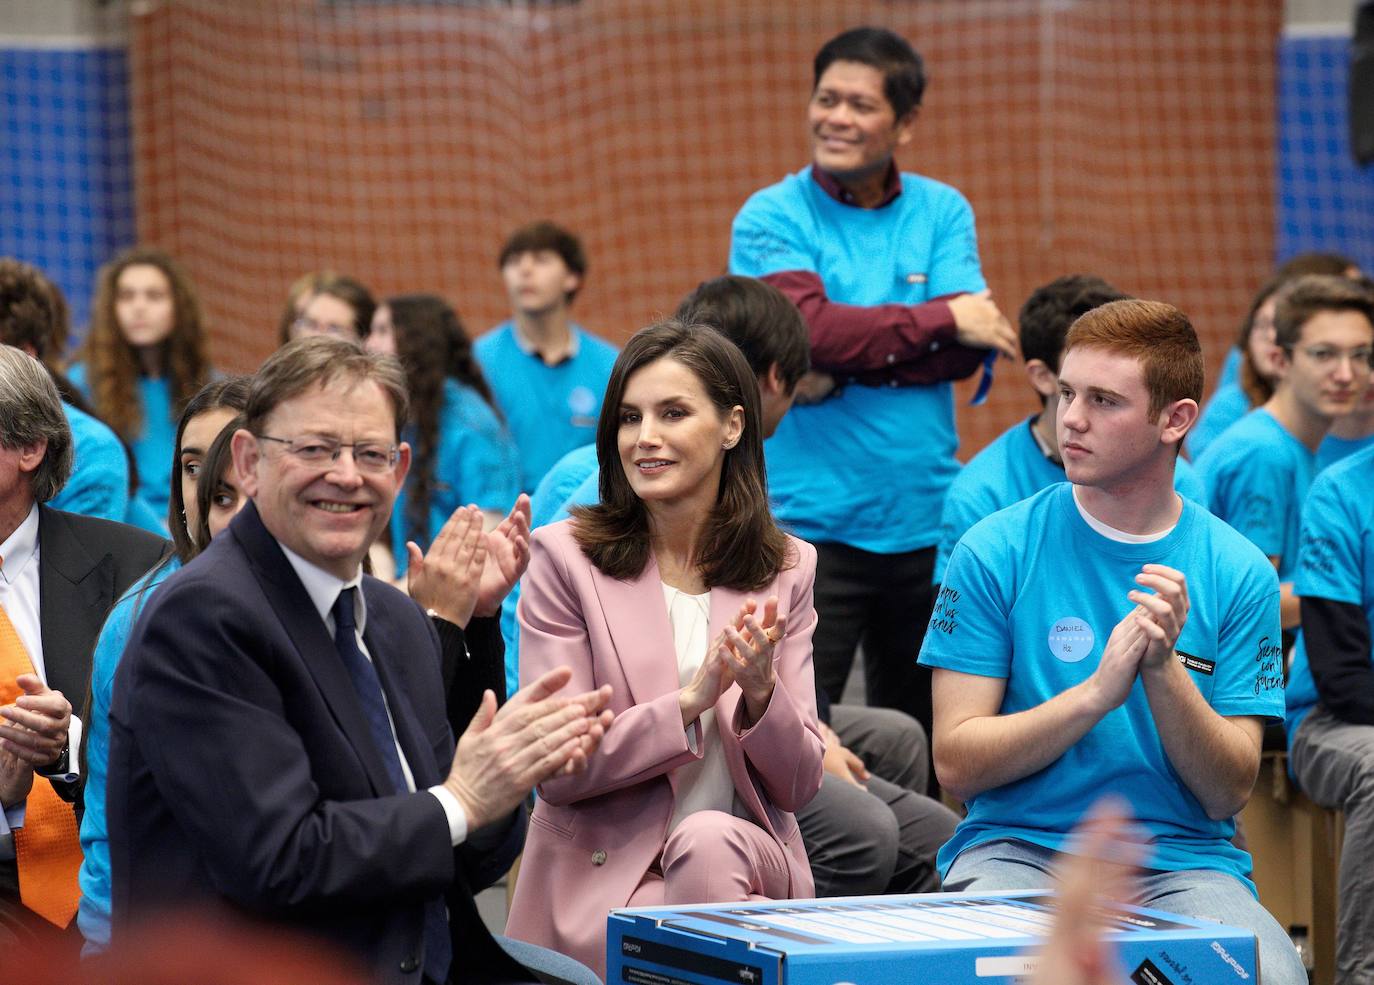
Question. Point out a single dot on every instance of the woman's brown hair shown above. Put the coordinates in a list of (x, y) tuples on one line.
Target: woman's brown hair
[(1256, 386), (432, 346), (112, 366), (741, 546)]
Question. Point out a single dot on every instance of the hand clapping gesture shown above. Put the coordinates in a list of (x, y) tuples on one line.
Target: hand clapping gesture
[(1160, 616), (742, 654), (508, 554), (448, 578)]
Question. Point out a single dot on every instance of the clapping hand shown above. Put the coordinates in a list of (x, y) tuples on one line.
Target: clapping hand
[(448, 578), (1161, 616), (508, 554), (38, 723), (750, 652)]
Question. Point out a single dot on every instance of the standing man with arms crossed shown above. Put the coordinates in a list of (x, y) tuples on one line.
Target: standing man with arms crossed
[(1107, 636), (884, 268), (342, 808)]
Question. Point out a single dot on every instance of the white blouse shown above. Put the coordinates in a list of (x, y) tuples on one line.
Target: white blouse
[(703, 785)]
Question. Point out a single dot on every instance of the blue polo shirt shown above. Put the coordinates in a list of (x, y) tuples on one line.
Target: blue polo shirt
[(1008, 470), (1257, 476), (1031, 596), (154, 448), (1336, 561), (99, 483), (868, 466), (476, 463), (550, 409)]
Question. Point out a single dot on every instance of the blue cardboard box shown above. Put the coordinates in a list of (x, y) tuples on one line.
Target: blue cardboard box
[(934, 939)]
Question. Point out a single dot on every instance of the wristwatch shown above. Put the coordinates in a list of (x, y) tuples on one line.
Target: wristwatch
[(61, 766)]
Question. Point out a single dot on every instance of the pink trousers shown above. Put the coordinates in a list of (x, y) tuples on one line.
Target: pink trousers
[(714, 857)]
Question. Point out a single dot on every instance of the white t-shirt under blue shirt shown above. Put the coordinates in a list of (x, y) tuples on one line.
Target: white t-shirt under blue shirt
[(1031, 595)]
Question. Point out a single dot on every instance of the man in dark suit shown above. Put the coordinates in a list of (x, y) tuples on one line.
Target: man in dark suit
[(59, 574), (279, 740)]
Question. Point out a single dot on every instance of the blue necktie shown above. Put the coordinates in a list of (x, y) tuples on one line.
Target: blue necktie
[(438, 947)]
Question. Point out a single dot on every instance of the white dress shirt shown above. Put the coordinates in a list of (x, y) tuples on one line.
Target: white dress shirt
[(323, 589)]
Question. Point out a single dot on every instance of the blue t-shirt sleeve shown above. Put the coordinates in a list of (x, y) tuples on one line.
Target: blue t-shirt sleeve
[(1249, 669), (1254, 499), (99, 483), (970, 628), (764, 240), (1188, 484), (489, 471), (954, 265), (1329, 563)]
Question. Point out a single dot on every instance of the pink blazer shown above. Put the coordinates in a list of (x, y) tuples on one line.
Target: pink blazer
[(593, 836)]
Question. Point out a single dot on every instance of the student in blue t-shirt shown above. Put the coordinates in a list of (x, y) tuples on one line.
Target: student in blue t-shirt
[(1025, 458), (547, 373), (1107, 636), (143, 359), (884, 268), (1258, 472), (462, 452), (1331, 687)]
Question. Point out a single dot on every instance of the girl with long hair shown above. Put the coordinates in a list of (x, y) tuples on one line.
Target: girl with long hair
[(1255, 381), (680, 591), (463, 452), (143, 359), (206, 415)]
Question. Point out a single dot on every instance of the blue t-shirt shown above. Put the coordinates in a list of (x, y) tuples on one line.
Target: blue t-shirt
[(1230, 367), (868, 466), (93, 915), (550, 409), (1031, 596), (153, 447), (1228, 405), (1008, 470), (1336, 560), (552, 500), (1334, 449), (476, 463), (1257, 476), (99, 483)]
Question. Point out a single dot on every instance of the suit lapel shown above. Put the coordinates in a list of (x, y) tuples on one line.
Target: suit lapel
[(637, 618), (297, 615), (75, 592)]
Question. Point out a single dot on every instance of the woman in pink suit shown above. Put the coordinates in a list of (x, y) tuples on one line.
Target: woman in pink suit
[(656, 591)]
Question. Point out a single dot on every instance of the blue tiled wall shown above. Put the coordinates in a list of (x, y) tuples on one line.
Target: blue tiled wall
[(1325, 200), (66, 163)]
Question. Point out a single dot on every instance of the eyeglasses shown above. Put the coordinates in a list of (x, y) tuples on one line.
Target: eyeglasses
[(1326, 356), (368, 456), (309, 326)]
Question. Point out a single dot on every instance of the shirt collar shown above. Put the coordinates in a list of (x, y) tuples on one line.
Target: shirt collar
[(527, 347), (20, 547), (324, 587), (832, 187)]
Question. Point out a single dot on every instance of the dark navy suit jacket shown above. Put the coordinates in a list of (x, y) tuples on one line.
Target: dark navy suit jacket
[(242, 770)]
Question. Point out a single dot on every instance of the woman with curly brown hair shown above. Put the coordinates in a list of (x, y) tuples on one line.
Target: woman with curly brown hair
[(463, 452), (143, 359)]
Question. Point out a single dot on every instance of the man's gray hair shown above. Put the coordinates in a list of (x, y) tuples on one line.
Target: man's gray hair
[(31, 413)]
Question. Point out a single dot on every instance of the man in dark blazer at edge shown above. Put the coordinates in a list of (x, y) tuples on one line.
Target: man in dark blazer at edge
[(279, 741), (59, 575)]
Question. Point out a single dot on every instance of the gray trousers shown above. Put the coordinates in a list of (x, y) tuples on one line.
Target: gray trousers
[(881, 837), (1334, 764)]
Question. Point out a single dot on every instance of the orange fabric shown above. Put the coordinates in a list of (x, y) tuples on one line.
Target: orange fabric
[(48, 846)]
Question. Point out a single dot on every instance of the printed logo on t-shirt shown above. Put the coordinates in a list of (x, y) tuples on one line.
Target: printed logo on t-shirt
[(1193, 662), (582, 403), (1071, 639)]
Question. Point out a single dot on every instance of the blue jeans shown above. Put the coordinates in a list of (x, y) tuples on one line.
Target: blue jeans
[(1005, 865)]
